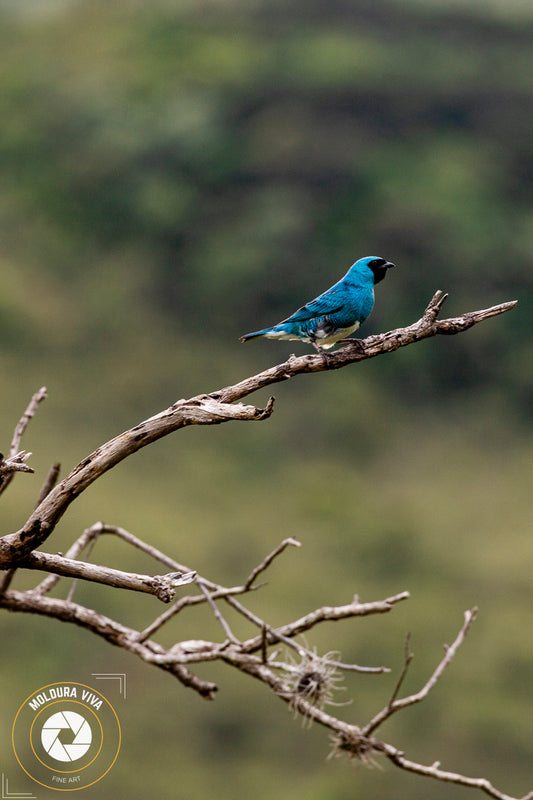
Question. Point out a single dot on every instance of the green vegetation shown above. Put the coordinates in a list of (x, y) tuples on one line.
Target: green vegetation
[(176, 174)]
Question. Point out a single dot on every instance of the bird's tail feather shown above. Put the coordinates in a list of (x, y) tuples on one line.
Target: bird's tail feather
[(281, 331), (253, 335)]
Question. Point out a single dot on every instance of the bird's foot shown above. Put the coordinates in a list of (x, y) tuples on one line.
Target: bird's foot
[(355, 343), (322, 353)]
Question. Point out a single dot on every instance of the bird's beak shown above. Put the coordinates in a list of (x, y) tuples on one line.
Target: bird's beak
[(389, 265)]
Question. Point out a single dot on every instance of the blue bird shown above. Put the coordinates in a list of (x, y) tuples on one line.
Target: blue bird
[(336, 313)]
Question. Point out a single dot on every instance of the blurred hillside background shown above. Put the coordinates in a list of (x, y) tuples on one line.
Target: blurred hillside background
[(175, 174)]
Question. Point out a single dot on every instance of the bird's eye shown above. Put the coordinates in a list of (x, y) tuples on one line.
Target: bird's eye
[(377, 262)]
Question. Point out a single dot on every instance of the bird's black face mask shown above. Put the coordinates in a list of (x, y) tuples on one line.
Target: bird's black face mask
[(379, 267)]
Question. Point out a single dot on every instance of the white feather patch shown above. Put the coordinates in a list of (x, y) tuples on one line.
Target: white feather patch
[(322, 339)]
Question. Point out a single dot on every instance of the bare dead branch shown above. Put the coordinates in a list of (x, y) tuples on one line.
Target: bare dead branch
[(162, 586), (281, 677), (357, 742), (372, 346), (216, 408), (89, 536), (201, 410), (15, 463), (270, 634), (14, 454), (179, 655), (331, 613), (110, 630)]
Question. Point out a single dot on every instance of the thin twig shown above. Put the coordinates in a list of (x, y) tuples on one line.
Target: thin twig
[(214, 608), (395, 705), (269, 634), (149, 549), (408, 657), (23, 422), (290, 542), (333, 613), (398, 758), (50, 482), (216, 591), (264, 644), (5, 579), (72, 589), (189, 601), (20, 428)]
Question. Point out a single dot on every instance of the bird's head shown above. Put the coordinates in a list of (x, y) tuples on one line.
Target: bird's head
[(377, 266)]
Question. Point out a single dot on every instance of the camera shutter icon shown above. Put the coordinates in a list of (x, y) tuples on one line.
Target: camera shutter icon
[(66, 736)]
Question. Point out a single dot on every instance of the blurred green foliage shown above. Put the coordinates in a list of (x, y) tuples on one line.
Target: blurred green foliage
[(175, 174)]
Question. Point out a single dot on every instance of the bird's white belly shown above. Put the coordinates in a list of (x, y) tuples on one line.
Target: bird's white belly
[(328, 340), (323, 339)]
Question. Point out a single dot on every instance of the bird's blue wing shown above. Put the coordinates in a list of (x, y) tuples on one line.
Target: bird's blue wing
[(328, 303)]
